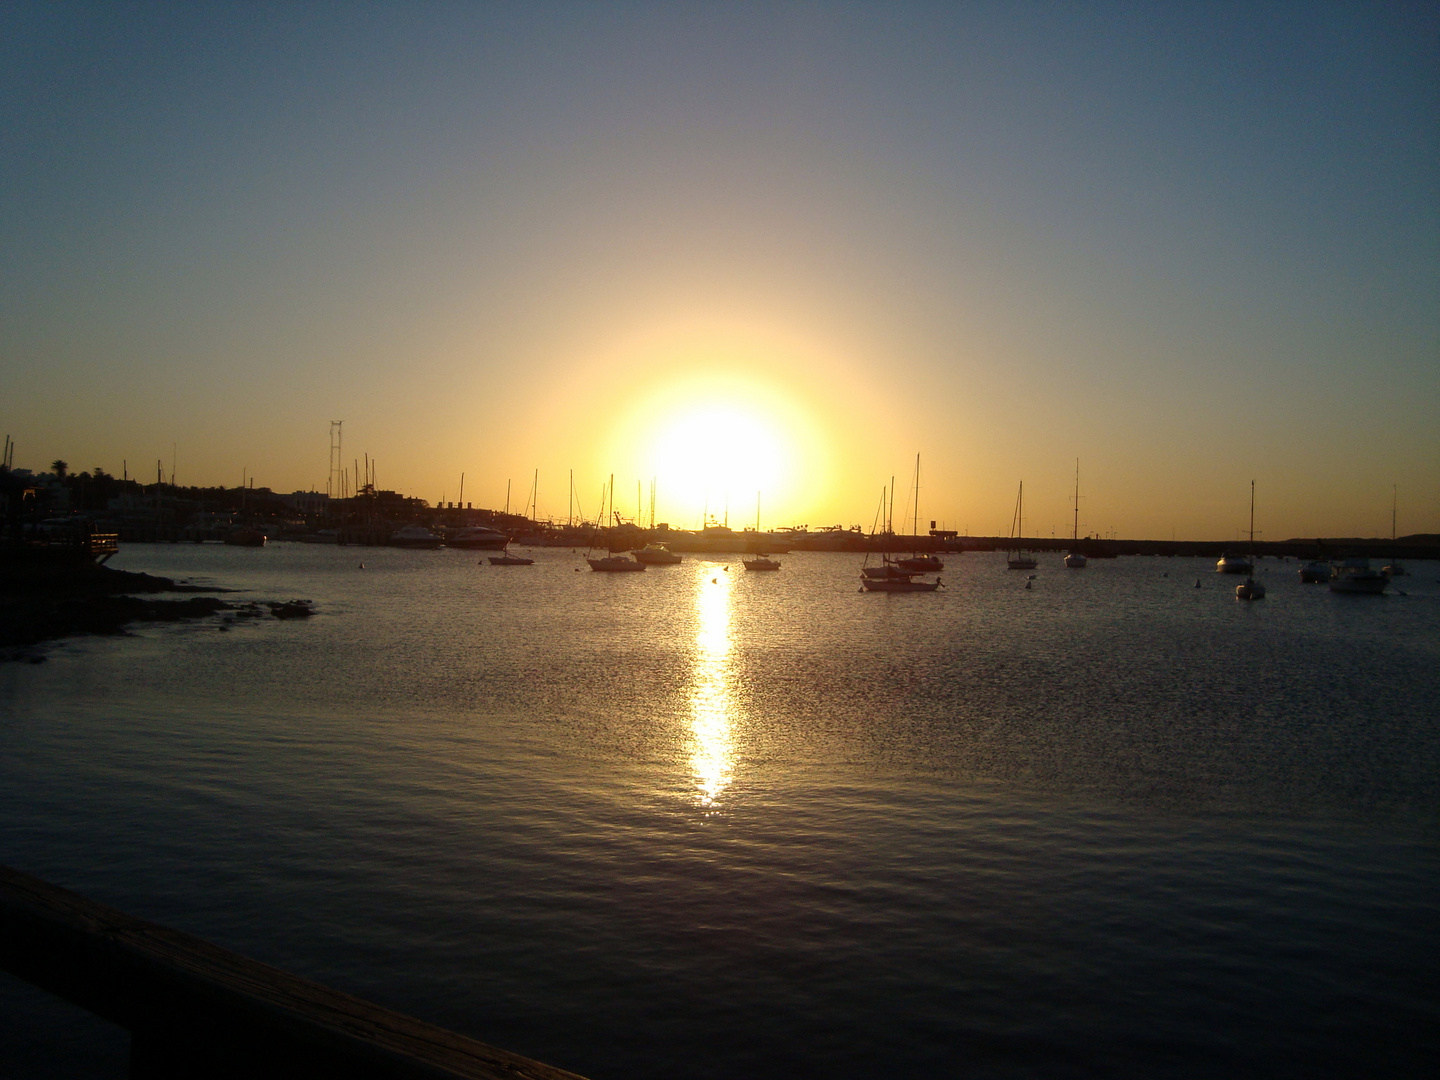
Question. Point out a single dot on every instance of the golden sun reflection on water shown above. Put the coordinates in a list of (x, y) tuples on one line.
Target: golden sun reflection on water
[(711, 701)]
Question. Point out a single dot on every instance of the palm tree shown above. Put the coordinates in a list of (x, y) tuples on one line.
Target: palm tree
[(59, 466)]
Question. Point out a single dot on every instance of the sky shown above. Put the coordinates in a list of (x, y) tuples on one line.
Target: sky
[(741, 250)]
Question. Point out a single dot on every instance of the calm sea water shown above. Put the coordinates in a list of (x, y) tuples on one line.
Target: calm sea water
[(703, 823)]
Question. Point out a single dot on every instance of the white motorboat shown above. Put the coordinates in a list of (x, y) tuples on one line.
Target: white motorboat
[(656, 555), (760, 562), (1357, 576), (415, 536), (1234, 564), (477, 537)]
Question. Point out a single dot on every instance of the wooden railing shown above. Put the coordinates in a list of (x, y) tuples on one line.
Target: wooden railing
[(196, 1010)]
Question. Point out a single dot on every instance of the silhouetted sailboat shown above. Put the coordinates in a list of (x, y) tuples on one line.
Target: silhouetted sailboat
[(610, 564), (1017, 557), (1076, 559), (759, 561), (918, 563), (1250, 589)]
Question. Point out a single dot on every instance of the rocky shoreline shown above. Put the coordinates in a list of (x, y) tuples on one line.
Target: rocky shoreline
[(40, 603)]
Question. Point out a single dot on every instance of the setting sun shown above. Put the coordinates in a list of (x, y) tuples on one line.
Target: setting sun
[(711, 445)]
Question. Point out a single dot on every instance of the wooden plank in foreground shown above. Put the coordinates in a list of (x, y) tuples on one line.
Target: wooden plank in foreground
[(197, 1010)]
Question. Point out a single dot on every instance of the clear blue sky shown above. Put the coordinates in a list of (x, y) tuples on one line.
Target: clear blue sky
[(1188, 244)]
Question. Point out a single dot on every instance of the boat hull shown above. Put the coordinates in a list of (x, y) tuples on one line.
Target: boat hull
[(614, 565), (898, 584), (920, 564), (1075, 561), (1370, 586)]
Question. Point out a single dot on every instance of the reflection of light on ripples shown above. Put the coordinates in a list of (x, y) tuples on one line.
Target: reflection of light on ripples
[(710, 702)]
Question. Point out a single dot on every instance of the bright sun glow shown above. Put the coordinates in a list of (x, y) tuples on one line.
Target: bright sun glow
[(719, 455), (713, 445), (715, 414)]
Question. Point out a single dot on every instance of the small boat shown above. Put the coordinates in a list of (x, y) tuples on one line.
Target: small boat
[(1076, 559), (1250, 589), (1315, 572), (1017, 558), (415, 536), (1357, 576), (611, 564), (477, 537), (760, 562), (1394, 569), (1234, 564), (243, 537), (506, 559), (656, 555), (918, 563), (897, 583)]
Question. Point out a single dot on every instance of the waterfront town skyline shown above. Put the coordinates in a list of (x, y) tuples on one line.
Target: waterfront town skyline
[(759, 248)]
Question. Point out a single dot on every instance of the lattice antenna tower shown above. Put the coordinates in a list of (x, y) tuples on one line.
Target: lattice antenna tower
[(337, 460)]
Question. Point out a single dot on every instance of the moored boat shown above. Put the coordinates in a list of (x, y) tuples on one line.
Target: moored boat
[(761, 562), (415, 536), (656, 555), (245, 537), (611, 564), (477, 538), (897, 583), (1356, 575), (1250, 589), (1018, 558), (1315, 572), (1076, 559), (506, 559), (1234, 564)]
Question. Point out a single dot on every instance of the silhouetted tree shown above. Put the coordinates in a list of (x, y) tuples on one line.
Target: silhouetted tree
[(59, 467)]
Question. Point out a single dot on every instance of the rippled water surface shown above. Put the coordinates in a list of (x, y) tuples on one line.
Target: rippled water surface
[(702, 823)]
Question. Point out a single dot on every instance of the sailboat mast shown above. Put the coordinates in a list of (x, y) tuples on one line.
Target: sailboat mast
[(1075, 532), (915, 517), (1252, 521)]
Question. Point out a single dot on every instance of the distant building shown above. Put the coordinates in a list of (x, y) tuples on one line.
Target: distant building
[(306, 502)]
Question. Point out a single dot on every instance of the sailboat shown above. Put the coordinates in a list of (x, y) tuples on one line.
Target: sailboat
[(1394, 569), (760, 561), (918, 563), (1076, 559), (888, 576), (1250, 589), (1231, 563), (1018, 557), (611, 564)]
